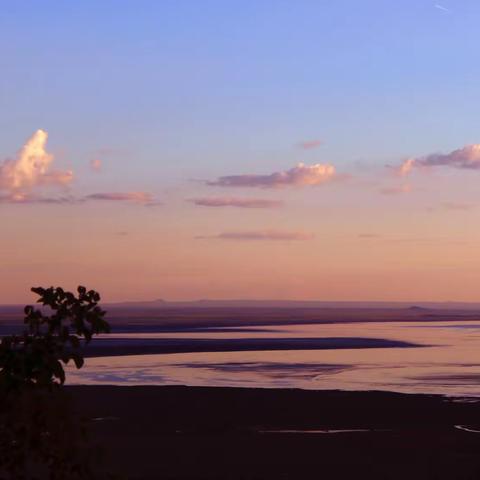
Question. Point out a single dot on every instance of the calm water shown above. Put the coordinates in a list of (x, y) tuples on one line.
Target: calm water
[(448, 361)]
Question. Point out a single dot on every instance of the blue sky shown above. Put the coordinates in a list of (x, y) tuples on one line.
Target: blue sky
[(215, 85)]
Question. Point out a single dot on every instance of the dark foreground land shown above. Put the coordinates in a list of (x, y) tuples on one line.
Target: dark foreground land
[(227, 433)]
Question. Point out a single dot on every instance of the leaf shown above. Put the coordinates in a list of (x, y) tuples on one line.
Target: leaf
[(78, 359), (58, 371)]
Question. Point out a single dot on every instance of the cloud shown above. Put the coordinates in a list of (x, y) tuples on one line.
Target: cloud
[(135, 197), (142, 198), (262, 235), (442, 8), (310, 144), (467, 157), (22, 198), (96, 164), (406, 167), (236, 202), (31, 168), (463, 158), (23, 177), (299, 176)]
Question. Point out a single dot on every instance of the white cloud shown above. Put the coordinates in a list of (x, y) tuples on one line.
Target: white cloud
[(31, 168)]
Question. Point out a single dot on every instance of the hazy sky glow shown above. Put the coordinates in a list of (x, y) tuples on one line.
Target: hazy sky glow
[(241, 149)]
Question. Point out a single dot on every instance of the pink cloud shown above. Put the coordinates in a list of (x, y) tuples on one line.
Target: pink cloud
[(310, 144), (298, 176), (236, 202), (142, 198), (21, 198), (96, 164), (406, 167), (22, 178), (31, 168), (136, 197), (464, 158), (263, 235)]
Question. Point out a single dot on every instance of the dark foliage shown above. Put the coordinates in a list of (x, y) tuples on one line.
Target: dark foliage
[(40, 435)]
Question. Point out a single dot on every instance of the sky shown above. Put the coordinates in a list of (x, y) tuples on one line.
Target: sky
[(322, 150)]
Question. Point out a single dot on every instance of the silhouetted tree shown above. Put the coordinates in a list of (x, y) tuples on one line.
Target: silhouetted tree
[(40, 436)]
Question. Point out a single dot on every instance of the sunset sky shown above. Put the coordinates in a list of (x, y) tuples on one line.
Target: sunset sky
[(322, 150)]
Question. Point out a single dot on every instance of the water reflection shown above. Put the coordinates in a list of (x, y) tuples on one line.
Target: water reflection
[(449, 363)]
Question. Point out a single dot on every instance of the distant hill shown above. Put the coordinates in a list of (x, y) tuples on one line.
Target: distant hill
[(246, 303), (162, 315)]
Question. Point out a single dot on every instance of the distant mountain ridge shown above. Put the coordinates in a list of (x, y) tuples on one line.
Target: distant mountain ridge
[(273, 304)]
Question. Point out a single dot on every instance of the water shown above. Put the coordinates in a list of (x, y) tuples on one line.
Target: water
[(447, 362)]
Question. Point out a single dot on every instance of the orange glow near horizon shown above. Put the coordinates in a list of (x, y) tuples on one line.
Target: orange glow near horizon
[(306, 238), (360, 245)]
